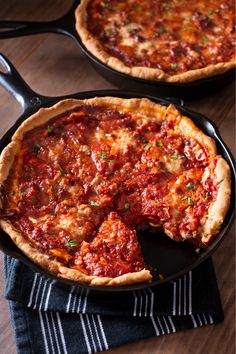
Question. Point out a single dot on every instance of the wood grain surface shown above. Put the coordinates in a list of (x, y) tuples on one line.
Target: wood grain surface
[(53, 65)]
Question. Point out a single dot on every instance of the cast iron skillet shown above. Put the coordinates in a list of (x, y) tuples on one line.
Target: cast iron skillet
[(166, 257), (66, 26)]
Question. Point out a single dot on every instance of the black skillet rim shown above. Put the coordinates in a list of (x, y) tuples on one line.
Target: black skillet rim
[(210, 126)]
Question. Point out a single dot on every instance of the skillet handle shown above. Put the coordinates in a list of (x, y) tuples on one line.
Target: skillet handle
[(11, 80), (64, 25)]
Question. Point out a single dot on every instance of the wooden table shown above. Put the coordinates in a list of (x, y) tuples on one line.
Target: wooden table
[(53, 65)]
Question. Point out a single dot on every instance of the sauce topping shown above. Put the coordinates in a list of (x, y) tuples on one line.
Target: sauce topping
[(102, 168)]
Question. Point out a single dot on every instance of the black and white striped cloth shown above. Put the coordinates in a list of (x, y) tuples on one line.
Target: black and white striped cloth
[(50, 317)]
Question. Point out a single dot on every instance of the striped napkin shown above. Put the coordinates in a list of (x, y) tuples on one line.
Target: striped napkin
[(50, 317)]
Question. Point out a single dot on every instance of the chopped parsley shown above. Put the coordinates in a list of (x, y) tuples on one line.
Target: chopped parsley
[(95, 204), (147, 147), (166, 172), (126, 205), (53, 215), (106, 5), (174, 65), (137, 8), (205, 39), (49, 129), (197, 48), (103, 156), (208, 195), (111, 161), (184, 198), (190, 201), (159, 143), (37, 147), (168, 7), (109, 31), (162, 30), (190, 185), (174, 157), (70, 243), (210, 12)]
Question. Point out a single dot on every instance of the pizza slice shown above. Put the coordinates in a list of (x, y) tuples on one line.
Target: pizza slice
[(113, 257)]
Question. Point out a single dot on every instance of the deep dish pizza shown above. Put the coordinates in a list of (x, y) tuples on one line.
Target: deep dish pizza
[(173, 41), (79, 178)]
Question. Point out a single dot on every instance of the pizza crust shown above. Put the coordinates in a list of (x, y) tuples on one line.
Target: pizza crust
[(140, 107), (58, 269), (219, 208), (94, 47)]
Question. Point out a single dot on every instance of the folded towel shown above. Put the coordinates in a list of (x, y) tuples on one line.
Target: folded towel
[(53, 317)]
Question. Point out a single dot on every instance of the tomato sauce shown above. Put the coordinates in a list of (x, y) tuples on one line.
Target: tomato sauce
[(86, 179)]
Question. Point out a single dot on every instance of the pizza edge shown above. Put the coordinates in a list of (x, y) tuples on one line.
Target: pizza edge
[(45, 114), (59, 270), (219, 208), (94, 47), (137, 105)]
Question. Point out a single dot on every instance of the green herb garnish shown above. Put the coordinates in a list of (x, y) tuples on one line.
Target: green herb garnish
[(190, 185), (168, 6), (126, 205), (71, 243), (109, 31), (147, 147), (190, 201), (103, 156), (197, 48), (49, 129), (210, 12), (137, 8), (53, 215), (174, 65), (106, 5), (166, 172), (96, 204), (111, 161), (184, 198), (162, 30), (159, 143), (174, 157), (205, 39), (208, 195), (36, 148)]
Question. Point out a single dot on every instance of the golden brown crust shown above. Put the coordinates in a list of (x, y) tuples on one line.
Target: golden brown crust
[(190, 129), (218, 209), (61, 271), (94, 46), (129, 278), (139, 106)]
